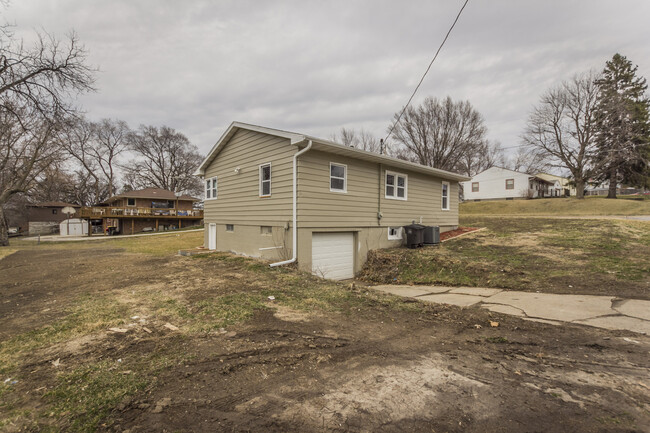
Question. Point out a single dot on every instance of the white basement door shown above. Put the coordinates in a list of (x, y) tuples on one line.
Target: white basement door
[(332, 255)]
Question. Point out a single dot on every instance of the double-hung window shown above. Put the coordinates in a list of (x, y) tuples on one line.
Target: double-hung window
[(396, 186), (510, 184), (211, 188), (474, 186), (265, 180), (445, 195), (338, 177)]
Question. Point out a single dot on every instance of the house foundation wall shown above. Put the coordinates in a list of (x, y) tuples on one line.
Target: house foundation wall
[(248, 240)]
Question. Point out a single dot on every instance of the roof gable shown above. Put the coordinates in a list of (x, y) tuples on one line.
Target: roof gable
[(300, 140)]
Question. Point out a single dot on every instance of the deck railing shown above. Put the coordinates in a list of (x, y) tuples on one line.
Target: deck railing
[(117, 212)]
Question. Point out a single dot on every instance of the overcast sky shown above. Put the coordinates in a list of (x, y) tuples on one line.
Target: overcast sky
[(316, 66)]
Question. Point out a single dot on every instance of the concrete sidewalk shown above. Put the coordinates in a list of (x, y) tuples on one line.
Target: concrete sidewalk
[(606, 312)]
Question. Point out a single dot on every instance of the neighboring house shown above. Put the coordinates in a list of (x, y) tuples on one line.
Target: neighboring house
[(44, 218), (561, 185), (287, 196), (148, 209), (500, 183)]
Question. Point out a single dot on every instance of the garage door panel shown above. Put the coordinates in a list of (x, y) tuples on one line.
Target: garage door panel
[(333, 255)]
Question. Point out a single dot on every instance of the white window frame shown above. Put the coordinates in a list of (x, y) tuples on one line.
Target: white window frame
[(396, 175), (127, 201), (345, 178), (397, 236), (213, 188), (261, 167), (442, 197)]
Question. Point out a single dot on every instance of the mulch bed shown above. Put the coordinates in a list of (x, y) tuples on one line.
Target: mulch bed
[(455, 233)]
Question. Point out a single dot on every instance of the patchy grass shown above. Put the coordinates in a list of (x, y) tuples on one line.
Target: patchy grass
[(79, 395), (6, 251), (607, 257), (158, 245), (599, 206)]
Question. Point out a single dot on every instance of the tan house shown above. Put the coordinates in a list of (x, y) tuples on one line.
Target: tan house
[(148, 209), (290, 197), (561, 185)]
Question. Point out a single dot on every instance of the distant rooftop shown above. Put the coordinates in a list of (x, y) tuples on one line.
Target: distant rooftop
[(152, 193)]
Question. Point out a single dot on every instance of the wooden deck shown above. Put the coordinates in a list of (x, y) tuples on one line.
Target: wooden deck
[(97, 212)]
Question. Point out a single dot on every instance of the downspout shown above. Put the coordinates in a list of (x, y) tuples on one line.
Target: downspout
[(294, 250)]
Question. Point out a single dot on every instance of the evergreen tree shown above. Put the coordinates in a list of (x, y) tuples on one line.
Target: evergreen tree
[(623, 125)]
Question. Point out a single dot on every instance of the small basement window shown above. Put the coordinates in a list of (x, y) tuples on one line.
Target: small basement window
[(474, 186), (211, 188), (265, 180), (394, 233), (130, 202), (266, 230), (396, 185), (510, 184), (230, 228), (338, 177)]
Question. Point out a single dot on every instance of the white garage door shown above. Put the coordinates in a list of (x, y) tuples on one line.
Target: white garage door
[(332, 255)]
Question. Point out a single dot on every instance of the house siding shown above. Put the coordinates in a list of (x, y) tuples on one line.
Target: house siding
[(238, 200), (318, 207), (492, 185)]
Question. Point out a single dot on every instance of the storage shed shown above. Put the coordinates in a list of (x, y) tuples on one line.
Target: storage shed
[(74, 227)]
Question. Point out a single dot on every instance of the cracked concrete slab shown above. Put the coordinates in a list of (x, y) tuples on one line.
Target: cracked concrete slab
[(505, 309), (634, 308), (410, 291), (453, 299), (476, 291), (599, 311), (619, 322), (566, 308)]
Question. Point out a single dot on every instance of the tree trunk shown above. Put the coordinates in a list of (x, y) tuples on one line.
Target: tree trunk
[(580, 188), (612, 184), (4, 229)]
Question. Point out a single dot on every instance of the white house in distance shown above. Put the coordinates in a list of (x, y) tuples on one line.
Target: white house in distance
[(561, 187), (500, 183)]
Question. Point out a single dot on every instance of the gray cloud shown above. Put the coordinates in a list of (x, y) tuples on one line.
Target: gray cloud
[(314, 67)]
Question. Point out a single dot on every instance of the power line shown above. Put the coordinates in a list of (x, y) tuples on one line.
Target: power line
[(427, 71)]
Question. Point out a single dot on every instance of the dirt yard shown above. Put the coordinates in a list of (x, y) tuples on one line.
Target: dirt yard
[(571, 256), (123, 341)]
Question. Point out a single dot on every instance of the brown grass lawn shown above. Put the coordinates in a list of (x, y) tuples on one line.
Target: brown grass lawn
[(599, 206), (600, 257)]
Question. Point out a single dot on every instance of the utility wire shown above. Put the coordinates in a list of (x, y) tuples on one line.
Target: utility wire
[(426, 72)]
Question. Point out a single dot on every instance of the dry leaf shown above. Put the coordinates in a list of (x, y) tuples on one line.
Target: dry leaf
[(170, 327), (494, 324)]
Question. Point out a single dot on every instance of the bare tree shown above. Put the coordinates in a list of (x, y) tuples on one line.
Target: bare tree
[(37, 86), (481, 157), (362, 139), (562, 127), (110, 140), (530, 162), (95, 147), (165, 159), (42, 78), (27, 149), (440, 133)]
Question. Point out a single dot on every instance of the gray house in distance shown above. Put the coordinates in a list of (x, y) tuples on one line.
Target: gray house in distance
[(288, 197)]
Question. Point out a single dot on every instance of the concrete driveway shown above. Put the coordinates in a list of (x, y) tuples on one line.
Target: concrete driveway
[(600, 311)]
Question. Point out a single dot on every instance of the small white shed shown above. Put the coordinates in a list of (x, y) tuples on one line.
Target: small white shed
[(74, 227)]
